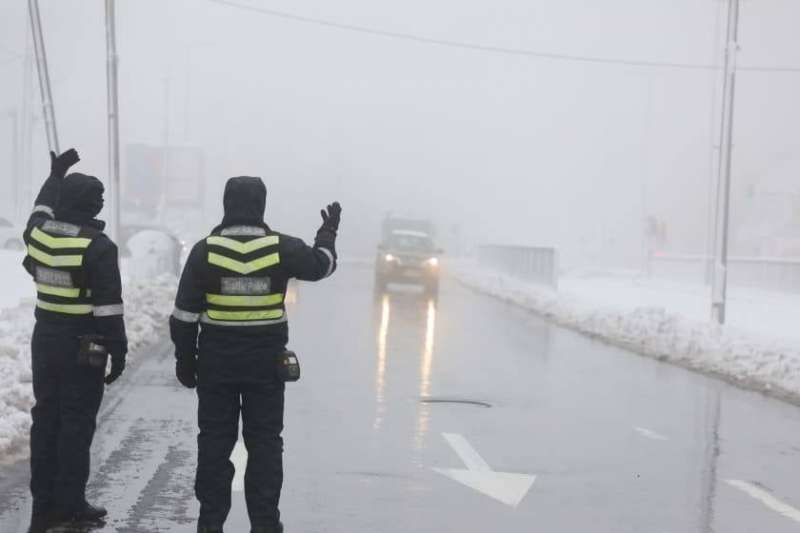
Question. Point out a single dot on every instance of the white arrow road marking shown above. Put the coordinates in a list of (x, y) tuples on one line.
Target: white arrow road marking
[(239, 460), (649, 433), (504, 487), (766, 498)]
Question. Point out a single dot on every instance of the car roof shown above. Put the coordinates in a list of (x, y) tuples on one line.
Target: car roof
[(411, 233)]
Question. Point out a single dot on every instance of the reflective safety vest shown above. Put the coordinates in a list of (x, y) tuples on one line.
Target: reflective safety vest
[(56, 260), (242, 289)]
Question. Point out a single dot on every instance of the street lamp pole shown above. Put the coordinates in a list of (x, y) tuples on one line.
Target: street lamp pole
[(113, 117), (44, 76), (719, 289)]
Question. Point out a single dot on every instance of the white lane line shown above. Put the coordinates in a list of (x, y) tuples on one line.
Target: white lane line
[(239, 460), (756, 492), (649, 433), (467, 453)]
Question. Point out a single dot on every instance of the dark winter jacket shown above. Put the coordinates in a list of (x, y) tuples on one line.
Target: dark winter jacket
[(77, 199), (231, 353)]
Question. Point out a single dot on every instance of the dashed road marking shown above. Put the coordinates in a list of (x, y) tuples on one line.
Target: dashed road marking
[(758, 493), (649, 433)]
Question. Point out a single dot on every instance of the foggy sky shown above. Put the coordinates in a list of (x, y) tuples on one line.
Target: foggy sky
[(511, 149)]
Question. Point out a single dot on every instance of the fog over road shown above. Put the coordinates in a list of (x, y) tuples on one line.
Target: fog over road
[(465, 414)]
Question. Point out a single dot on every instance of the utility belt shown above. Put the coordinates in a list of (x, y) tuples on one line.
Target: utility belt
[(288, 367), (92, 352)]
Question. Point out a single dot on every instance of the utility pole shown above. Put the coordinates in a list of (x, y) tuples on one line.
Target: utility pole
[(165, 160), (113, 117), (719, 289), (44, 76), (26, 133), (13, 116)]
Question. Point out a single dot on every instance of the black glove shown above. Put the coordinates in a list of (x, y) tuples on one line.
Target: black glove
[(117, 367), (186, 370), (59, 165), (332, 216)]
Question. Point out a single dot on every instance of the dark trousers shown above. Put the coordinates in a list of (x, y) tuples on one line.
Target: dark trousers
[(67, 400), (261, 408)]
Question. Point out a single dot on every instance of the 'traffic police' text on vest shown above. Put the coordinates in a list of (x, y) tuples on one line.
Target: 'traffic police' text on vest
[(56, 253), (241, 288)]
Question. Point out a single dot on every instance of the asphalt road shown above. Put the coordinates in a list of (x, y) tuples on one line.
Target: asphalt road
[(465, 414)]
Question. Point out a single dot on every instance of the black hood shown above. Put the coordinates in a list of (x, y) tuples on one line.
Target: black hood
[(81, 199), (245, 201)]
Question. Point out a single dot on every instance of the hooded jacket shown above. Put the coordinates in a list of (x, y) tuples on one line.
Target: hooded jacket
[(78, 199), (81, 200), (244, 203)]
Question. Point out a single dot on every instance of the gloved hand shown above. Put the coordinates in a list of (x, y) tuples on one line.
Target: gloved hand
[(117, 367), (59, 165), (186, 370), (332, 216)]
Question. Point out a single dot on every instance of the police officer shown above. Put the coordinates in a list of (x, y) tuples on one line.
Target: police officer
[(233, 288), (79, 303)]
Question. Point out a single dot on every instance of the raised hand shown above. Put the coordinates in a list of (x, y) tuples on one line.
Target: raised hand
[(59, 165), (332, 216)]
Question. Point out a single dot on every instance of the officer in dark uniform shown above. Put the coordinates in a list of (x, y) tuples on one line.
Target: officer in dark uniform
[(79, 303), (233, 288)]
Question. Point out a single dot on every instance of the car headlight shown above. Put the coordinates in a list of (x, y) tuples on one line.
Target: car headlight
[(433, 262), (389, 258)]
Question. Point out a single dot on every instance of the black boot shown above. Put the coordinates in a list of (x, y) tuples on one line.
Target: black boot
[(90, 513), (208, 529), (267, 529), (86, 513), (39, 524)]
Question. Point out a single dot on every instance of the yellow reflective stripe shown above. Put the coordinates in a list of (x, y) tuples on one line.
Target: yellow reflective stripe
[(54, 260), (70, 309), (243, 247), (270, 314), (58, 291), (59, 242), (243, 268), (244, 301)]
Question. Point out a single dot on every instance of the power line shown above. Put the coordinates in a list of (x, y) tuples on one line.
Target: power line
[(478, 47)]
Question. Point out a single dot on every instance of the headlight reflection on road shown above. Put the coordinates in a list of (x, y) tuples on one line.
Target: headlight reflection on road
[(426, 366), (427, 352), (291, 294), (380, 373)]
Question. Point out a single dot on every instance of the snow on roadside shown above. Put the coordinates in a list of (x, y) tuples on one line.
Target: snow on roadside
[(17, 284), (755, 362), (148, 304)]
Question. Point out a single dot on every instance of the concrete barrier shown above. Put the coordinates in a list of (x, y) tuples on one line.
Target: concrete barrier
[(771, 273), (529, 263)]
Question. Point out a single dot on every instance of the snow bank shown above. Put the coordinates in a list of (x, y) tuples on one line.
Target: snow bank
[(766, 364), (17, 284), (148, 304)]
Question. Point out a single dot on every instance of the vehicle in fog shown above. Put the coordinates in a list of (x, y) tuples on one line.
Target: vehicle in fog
[(10, 235), (407, 256), (134, 238)]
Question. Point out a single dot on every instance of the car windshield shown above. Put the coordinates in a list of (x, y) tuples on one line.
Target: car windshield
[(410, 242)]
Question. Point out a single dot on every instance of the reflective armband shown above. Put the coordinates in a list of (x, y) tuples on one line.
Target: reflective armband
[(331, 260), (185, 316), (108, 310), (47, 210)]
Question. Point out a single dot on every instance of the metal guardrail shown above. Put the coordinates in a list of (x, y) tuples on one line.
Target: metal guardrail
[(528, 263), (771, 273)]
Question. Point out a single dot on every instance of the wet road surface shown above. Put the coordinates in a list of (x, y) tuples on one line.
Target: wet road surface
[(466, 414)]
